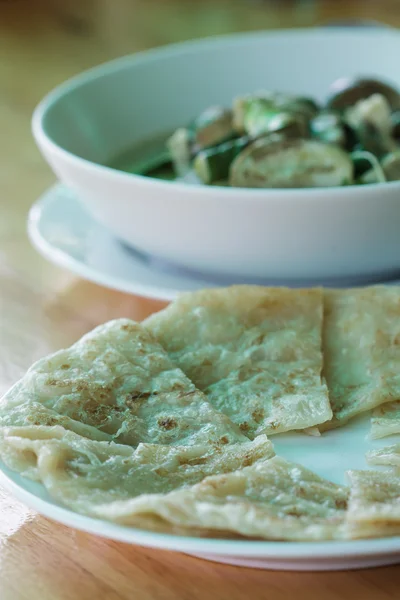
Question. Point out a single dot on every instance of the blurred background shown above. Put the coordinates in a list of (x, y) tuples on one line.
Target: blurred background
[(44, 42)]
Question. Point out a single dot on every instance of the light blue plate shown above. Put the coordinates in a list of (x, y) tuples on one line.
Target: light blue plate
[(64, 233)]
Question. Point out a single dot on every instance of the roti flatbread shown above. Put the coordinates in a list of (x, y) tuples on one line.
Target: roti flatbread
[(82, 473), (36, 414), (272, 499), (390, 455), (117, 383), (385, 420), (374, 504), (255, 352), (361, 344)]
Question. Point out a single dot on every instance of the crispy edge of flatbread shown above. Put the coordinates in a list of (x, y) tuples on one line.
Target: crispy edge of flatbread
[(213, 504), (374, 504), (73, 469), (385, 420), (389, 456)]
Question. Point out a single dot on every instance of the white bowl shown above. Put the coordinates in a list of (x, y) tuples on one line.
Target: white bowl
[(280, 234)]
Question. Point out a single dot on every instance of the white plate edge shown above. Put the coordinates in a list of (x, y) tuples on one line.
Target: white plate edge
[(64, 260)]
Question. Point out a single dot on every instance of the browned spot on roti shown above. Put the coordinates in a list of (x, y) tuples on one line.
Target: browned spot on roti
[(167, 423), (258, 414)]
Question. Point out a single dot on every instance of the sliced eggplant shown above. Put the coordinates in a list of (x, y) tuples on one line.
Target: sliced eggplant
[(258, 117), (213, 164), (291, 164), (367, 168), (179, 146), (391, 166), (346, 92), (395, 118), (329, 127), (212, 127), (374, 110)]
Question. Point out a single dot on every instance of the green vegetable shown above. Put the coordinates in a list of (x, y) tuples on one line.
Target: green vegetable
[(213, 127), (291, 163), (391, 166), (371, 139), (213, 164), (328, 127), (395, 118), (274, 139), (179, 146), (289, 125), (150, 166), (252, 115), (259, 116), (367, 168), (346, 92), (302, 105)]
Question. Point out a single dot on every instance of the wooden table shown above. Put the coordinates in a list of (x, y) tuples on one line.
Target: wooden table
[(43, 308)]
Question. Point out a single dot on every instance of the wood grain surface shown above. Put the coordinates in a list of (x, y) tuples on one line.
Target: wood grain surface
[(43, 308)]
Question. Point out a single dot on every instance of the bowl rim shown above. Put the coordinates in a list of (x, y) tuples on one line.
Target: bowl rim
[(44, 140)]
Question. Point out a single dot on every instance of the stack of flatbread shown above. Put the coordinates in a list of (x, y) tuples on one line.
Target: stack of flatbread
[(164, 424)]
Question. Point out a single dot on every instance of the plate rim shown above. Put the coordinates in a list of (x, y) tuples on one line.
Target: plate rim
[(62, 259), (165, 293)]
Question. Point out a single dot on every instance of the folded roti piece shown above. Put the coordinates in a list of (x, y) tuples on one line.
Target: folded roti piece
[(374, 504), (36, 414), (361, 343), (82, 473), (272, 499), (255, 352), (390, 455), (158, 525), (385, 420), (117, 383)]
